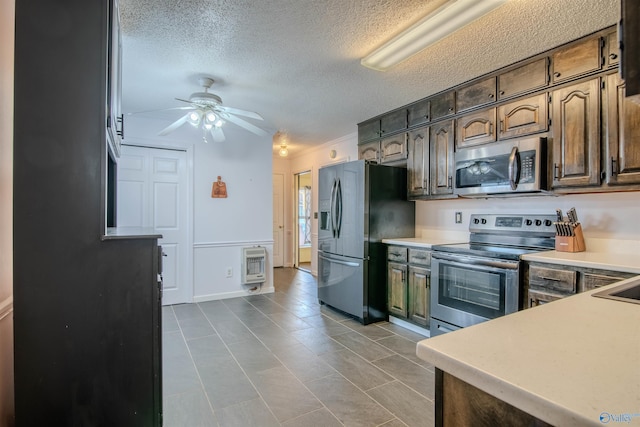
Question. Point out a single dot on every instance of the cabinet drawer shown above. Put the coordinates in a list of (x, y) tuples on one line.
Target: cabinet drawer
[(397, 253), (577, 59), (477, 94), (523, 79), (552, 279), (419, 257), (539, 298), (595, 280)]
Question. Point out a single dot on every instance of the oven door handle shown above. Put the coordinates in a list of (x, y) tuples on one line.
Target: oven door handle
[(475, 261)]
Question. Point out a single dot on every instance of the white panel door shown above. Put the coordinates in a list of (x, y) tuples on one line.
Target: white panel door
[(278, 220), (152, 192)]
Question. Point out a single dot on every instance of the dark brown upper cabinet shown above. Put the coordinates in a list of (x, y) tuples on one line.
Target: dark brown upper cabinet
[(612, 50), (476, 95), (443, 105), (368, 130), (576, 135), (623, 135), (393, 122), (523, 117), (525, 78), (418, 163), (576, 59), (476, 128), (418, 113), (393, 148), (630, 66), (442, 164)]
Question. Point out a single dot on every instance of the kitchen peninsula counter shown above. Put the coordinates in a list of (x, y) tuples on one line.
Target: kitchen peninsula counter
[(567, 363), (628, 262)]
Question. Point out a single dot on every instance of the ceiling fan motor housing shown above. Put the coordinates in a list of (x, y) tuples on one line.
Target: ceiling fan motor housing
[(205, 99)]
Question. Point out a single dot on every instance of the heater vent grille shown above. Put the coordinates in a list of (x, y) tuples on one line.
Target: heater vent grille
[(253, 265)]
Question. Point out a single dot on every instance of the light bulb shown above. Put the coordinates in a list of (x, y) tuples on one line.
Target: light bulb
[(194, 118), (207, 126), (219, 123), (210, 117), (283, 150)]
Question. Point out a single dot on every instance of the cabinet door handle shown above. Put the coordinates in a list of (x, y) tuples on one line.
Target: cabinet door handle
[(491, 96), (501, 125), (614, 166), (613, 56), (556, 75), (551, 279), (556, 171), (490, 128), (450, 182), (501, 92), (451, 109)]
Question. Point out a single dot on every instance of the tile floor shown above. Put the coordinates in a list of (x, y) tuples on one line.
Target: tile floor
[(281, 359)]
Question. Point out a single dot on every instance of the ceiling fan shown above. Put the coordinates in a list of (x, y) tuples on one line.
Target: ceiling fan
[(206, 110)]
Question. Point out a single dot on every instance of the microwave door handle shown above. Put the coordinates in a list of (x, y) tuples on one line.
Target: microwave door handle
[(514, 168)]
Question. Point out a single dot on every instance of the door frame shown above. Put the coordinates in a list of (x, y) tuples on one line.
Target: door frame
[(296, 230), (189, 149)]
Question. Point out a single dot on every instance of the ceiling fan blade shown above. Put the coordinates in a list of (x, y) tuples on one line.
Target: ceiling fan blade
[(217, 134), (244, 124), (239, 112), (162, 109), (175, 125)]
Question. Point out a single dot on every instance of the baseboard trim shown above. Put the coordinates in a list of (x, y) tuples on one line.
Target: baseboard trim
[(6, 307), (235, 294), (413, 328)]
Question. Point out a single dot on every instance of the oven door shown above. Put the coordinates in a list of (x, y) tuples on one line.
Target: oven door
[(467, 290)]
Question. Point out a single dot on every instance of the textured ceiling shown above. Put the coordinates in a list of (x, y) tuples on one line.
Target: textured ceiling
[(297, 62)]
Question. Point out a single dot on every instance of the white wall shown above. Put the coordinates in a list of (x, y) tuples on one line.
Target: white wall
[(603, 216), (7, 14), (221, 227), (346, 149)]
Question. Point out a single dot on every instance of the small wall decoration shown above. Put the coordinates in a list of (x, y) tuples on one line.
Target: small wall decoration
[(219, 189)]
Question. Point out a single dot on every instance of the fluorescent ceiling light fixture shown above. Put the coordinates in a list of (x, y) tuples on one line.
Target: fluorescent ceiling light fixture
[(444, 21)]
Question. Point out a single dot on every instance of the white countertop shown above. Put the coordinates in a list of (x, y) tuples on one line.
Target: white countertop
[(567, 362), (422, 242), (626, 262), (426, 238)]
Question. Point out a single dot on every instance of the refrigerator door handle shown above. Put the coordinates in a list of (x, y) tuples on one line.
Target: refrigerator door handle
[(333, 208), (339, 202), (335, 261)]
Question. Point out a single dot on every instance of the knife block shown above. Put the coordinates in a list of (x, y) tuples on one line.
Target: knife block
[(571, 243)]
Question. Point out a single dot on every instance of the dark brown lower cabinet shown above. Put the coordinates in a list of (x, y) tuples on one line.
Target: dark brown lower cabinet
[(459, 404)]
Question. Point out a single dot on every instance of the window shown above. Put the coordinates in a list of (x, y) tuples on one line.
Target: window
[(304, 216)]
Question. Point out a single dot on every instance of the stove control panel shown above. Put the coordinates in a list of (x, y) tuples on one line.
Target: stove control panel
[(512, 223)]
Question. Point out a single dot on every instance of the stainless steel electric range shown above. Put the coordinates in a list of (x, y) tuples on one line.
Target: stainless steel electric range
[(481, 280)]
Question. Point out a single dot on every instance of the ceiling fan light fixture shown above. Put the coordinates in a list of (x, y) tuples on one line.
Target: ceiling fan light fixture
[(449, 18), (194, 118), (210, 117)]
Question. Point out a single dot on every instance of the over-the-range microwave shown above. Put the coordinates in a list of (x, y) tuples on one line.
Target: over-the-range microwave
[(504, 168)]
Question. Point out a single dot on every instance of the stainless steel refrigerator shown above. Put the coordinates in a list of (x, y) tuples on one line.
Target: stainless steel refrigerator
[(359, 204)]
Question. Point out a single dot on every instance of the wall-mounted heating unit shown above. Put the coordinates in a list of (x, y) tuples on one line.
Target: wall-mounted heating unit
[(253, 265)]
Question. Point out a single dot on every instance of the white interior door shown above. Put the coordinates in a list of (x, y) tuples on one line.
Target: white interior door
[(152, 192), (278, 220)]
